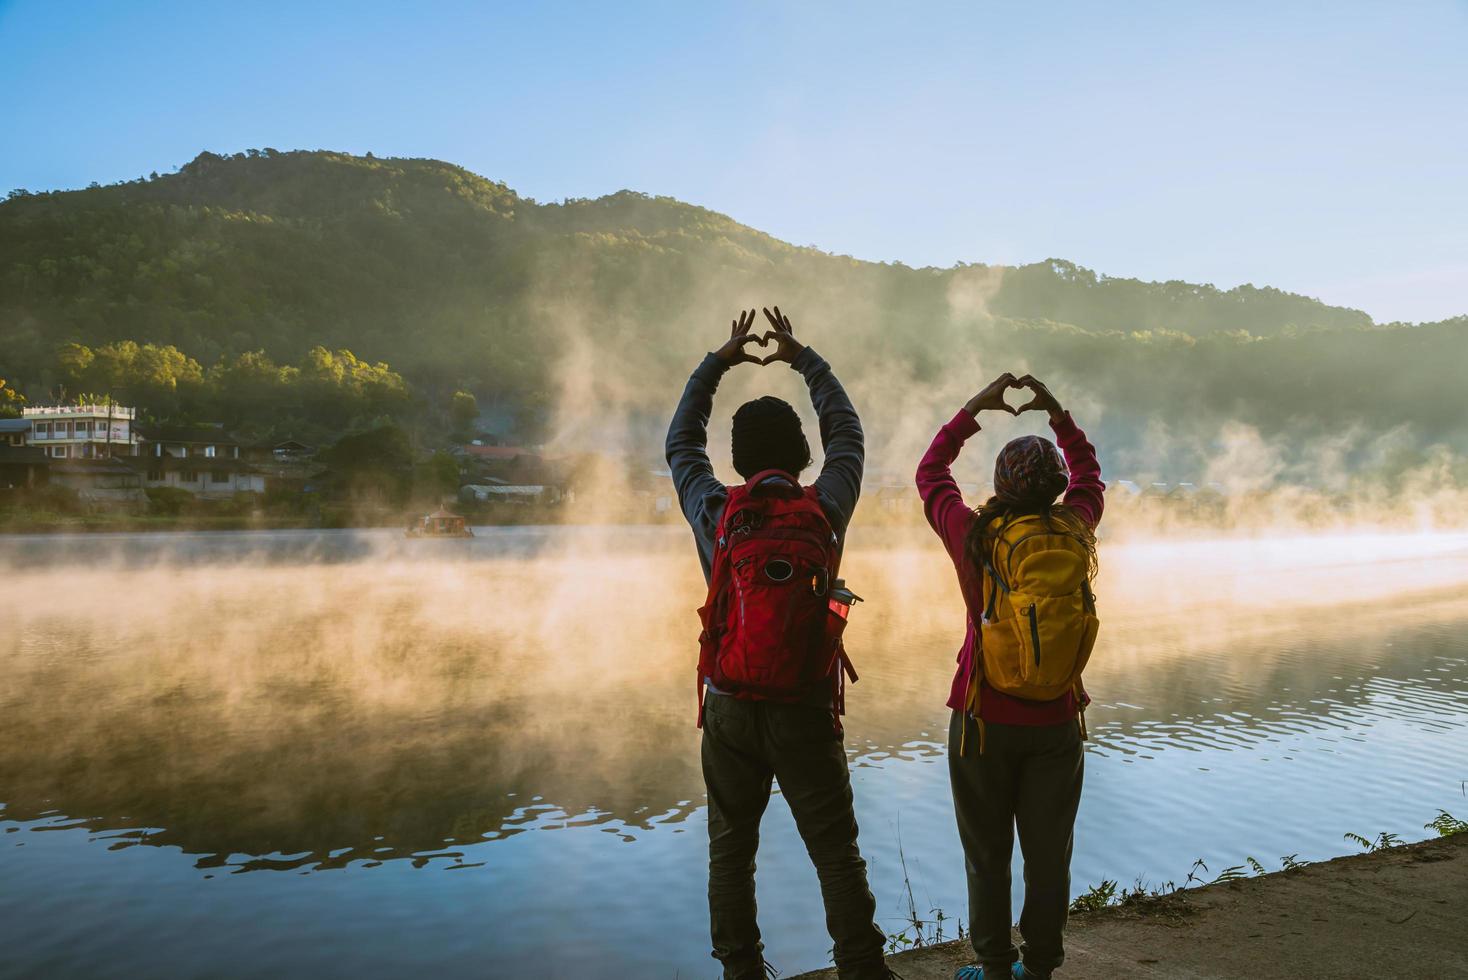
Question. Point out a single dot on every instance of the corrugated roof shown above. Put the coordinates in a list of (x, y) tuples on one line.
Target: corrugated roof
[(481, 490)]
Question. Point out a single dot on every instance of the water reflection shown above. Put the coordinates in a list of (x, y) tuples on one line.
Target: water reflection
[(318, 702)]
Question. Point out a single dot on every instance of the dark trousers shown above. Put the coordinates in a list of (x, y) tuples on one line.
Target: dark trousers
[(1028, 776), (745, 745)]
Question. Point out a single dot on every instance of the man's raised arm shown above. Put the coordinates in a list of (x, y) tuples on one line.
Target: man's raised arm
[(700, 494), (841, 437)]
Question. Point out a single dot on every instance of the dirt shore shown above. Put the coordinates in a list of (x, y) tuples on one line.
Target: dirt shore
[(1398, 912)]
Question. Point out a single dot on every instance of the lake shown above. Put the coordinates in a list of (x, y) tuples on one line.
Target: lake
[(349, 754)]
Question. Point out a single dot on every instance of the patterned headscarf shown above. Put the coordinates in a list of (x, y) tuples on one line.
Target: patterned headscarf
[(1029, 470)]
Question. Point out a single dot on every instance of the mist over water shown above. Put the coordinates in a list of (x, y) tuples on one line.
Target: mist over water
[(344, 753), (205, 739)]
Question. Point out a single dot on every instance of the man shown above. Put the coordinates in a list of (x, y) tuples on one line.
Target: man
[(747, 741)]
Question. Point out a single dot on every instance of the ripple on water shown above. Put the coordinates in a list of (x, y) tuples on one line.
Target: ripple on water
[(377, 718)]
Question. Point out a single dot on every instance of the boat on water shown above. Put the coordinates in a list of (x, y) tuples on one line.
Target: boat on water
[(439, 524)]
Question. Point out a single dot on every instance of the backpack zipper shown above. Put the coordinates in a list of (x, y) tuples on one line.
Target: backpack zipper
[(1035, 633)]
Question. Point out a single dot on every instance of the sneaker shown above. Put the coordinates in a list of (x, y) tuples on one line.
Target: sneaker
[(975, 972)]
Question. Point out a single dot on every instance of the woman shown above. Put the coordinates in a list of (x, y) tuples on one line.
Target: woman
[(1015, 761)]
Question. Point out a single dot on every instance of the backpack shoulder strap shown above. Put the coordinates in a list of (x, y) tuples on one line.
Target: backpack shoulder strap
[(995, 584), (718, 573), (733, 497), (996, 581)]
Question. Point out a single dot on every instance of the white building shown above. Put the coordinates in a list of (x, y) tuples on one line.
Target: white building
[(82, 431)]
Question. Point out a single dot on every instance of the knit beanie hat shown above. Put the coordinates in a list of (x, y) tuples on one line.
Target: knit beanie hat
[(767, 436)]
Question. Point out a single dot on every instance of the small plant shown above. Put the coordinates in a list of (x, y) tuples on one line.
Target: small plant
[(1231, 874), (1446, 824), (1096, 899), (918, 932), (1106, 895), (1142, 894), (1383, 841)]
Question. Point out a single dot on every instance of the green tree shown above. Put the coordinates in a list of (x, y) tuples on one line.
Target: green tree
[(11, 401), (463, 410), (74, 361), (250, 385), (436, 477), (376, 464)]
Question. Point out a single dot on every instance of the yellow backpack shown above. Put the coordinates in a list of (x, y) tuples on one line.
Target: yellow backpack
[(1039, 621)]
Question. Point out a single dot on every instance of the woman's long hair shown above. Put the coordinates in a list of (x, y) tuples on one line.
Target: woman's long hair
[(990, 519)]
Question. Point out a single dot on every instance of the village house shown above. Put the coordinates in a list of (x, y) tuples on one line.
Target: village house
[(509, 474), (287, 466), (204, 460), (21, 465), (82, 431), (497, 491), (508, 464), (88, 448), (13, 432), (291, 451)]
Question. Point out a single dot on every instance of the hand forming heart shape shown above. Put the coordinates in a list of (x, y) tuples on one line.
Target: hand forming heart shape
[(787, 348), (992, 397)]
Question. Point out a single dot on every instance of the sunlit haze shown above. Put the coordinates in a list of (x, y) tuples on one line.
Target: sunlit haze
[(357, 400)]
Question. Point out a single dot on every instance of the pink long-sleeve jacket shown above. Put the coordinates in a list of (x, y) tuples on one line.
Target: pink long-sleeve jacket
[(953, 519)]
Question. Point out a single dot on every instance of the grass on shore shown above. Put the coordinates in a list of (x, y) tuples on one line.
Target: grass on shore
[(1106, 895), (921, 930)]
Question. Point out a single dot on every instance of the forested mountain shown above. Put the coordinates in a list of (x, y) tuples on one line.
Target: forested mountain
[(262, 270)]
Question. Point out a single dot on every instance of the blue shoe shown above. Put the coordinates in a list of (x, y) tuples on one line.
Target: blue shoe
[(975, 972)]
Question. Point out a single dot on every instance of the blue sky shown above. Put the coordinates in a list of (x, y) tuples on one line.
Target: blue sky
[(1318, 147)]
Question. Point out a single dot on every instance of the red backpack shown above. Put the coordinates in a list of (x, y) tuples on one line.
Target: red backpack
[(775, 611)]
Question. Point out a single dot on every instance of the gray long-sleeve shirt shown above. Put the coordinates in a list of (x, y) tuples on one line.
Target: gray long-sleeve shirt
[(700, 494)]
